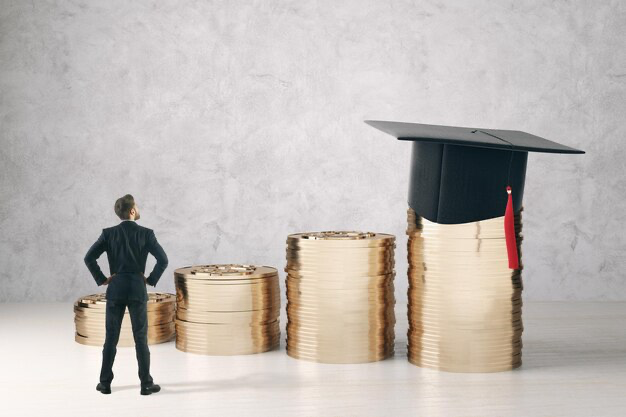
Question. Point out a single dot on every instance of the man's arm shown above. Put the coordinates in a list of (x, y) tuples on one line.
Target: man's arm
[(91, 257), (161, 259)]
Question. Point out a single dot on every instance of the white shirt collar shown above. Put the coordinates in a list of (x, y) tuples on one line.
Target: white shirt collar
[(128, 220)]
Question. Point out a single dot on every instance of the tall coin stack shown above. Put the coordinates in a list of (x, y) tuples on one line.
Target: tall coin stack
[(340, 296), (90, 315), (465, 304), (227, 309)]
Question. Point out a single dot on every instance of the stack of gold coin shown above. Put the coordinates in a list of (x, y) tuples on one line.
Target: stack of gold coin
[(90, 315), (340, 296), (465, 304), (227, 309)]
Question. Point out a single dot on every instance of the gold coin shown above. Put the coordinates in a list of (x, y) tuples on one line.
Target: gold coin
[(340, 296), (465, 305), (227, 309), (90, 320)]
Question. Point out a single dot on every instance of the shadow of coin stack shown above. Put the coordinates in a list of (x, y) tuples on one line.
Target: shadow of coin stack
[(90, 315), (465, 304), (227, 309), (340, 296)]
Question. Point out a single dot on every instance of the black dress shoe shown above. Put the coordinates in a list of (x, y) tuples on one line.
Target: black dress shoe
[(105, 389), (150, 389)]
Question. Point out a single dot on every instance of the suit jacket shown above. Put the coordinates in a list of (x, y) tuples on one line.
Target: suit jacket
[(127, 246)]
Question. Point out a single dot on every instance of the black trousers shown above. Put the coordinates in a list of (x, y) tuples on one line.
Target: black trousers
[(139, 320)]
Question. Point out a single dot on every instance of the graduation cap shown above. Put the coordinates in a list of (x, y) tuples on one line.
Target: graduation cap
[(462, 174)]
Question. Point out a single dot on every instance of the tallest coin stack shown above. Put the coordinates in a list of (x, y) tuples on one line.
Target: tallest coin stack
[(466, 187), (465, 304), (340, 296)]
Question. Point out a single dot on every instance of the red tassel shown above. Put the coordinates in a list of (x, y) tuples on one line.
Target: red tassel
[(509, 232)]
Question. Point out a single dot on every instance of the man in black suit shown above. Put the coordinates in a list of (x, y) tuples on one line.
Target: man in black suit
[(127, 246)]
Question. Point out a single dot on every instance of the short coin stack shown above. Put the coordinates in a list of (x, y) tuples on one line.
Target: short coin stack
[(340, 296), (465, 304), (90, 314), (227, 309)]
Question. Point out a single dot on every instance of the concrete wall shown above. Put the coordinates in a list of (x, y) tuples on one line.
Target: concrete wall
[(235, 123)]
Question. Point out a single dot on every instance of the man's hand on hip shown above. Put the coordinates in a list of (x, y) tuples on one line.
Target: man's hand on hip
[(109, 279)]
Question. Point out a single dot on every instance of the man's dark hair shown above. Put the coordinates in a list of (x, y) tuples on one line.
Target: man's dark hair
[(123, 206)]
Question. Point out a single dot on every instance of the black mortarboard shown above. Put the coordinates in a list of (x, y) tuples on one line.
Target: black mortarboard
[(460, 174)]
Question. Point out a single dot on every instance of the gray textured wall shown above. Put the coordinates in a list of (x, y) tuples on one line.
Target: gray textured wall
[(235, 123)]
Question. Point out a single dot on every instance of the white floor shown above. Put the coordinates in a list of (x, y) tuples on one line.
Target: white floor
[(574, 364)]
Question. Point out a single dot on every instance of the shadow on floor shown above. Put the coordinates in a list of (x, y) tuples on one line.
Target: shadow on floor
[(575, 355), (249, 381)]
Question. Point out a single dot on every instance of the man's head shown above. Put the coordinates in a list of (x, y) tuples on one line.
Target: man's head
[(125, 208)]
